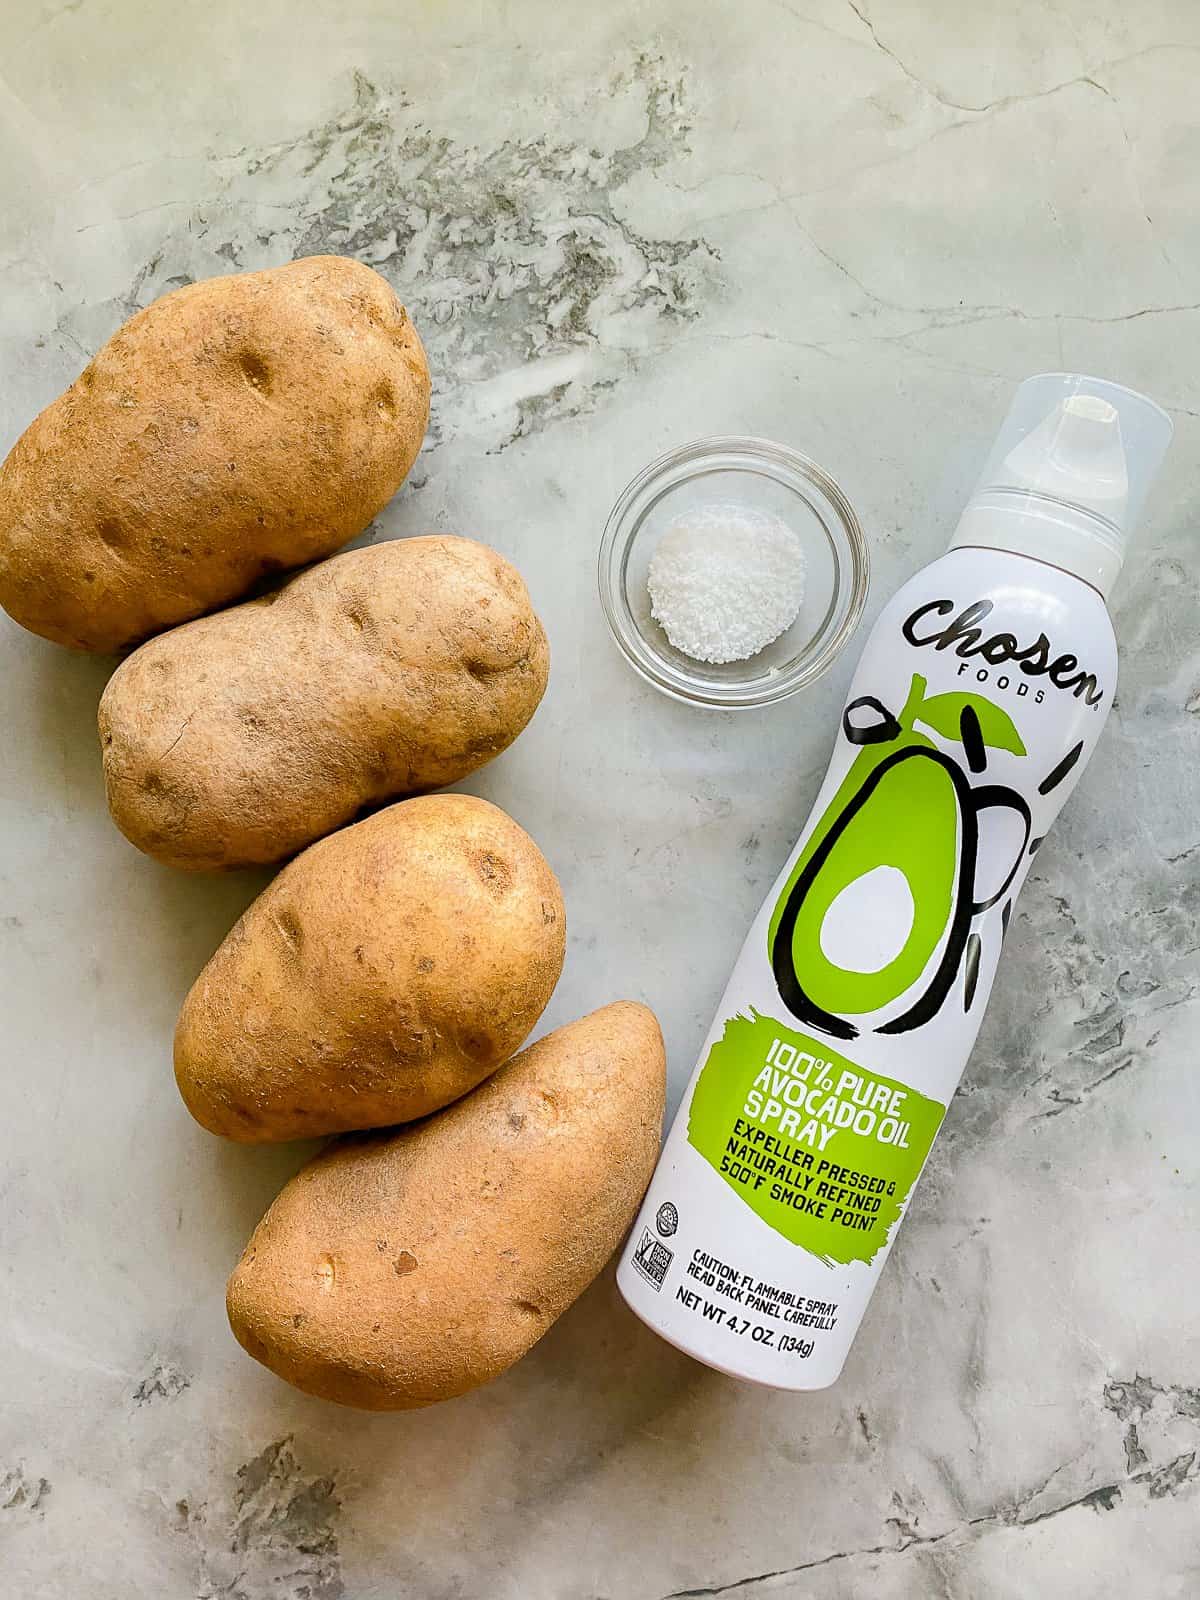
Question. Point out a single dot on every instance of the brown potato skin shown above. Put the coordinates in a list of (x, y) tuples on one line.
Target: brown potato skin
[(240, 738), (383, 973), (402, 1268), (234, 428)]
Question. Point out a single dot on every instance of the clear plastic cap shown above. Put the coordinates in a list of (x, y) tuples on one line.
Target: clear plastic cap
[(1073, 462)]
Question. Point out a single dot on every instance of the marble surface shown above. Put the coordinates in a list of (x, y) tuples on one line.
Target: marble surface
[(852, 225)]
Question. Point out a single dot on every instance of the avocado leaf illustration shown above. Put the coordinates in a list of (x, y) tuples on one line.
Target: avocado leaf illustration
[(943, 713)]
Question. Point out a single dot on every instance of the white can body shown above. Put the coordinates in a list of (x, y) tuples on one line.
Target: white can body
[(856, 999)]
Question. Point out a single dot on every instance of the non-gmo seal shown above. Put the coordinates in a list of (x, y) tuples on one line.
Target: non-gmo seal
[(667, 1219)]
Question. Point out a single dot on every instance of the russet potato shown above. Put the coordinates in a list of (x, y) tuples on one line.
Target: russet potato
[(382, 974), (241, 737), (406, 1267), (230, 430)]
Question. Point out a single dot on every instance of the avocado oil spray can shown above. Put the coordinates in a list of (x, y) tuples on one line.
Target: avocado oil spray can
[(856, 999)]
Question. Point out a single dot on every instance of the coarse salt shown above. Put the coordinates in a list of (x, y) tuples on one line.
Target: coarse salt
[(725, 581)]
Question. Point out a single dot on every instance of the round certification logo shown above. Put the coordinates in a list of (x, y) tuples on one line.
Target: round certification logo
[(667, 1219)]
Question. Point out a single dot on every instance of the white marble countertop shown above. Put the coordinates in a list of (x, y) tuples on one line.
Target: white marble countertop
[(850, 226)]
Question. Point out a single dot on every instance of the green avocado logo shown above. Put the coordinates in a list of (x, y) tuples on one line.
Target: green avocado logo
[(908, 808)]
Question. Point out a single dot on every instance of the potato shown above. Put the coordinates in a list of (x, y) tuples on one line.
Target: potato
[(384, 972), (232, 429), (407, 1267), (244, 736)]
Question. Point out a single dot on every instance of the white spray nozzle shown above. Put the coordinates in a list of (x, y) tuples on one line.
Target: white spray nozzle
[(1068, 474), (1076, 455)]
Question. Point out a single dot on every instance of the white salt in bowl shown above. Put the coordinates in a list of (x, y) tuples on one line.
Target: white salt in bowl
[(762, 478)]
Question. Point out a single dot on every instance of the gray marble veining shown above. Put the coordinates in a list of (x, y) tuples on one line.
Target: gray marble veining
[(852, 225)]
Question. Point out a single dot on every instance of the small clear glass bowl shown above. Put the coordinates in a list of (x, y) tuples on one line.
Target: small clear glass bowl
[(767, 477)]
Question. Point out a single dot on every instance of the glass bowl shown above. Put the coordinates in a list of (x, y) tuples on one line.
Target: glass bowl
[(763, 476)]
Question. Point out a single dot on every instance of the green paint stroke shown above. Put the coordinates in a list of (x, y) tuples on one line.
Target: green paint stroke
[(764, 1102), (943, 713), (911, 824), (914, 820)]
